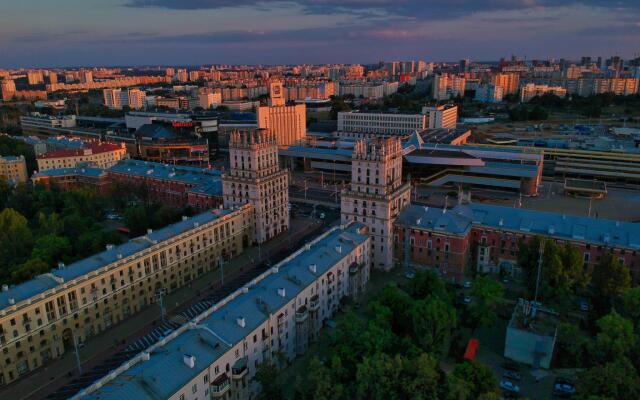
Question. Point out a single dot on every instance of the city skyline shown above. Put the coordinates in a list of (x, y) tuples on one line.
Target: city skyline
[(166, 32)]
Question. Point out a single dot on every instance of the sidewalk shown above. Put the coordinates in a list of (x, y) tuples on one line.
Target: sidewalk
[(60, 372)]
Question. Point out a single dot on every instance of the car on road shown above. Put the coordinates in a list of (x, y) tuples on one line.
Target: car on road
[(509, 386), (513, 375), (563, 388), (467, 299), (322, 216), (410, 275), (467, 284)]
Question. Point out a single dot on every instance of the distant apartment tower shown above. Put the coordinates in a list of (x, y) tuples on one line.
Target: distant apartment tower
[(286, 122), (209, 100), (35, 77), (116, 99), (444, 116), (170, 72), (376, 195), (255, 177), (382, 123), (13, 169), (182, 75), (531, 90), (508, 82), (447, 86), (8, 89), (489, 93), (86, 76), (464, 65)]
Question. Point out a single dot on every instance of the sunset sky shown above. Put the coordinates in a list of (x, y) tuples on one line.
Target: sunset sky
[(135, 32)]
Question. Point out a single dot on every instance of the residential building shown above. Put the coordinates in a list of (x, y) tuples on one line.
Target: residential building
[(175, 185), (489, 93), (444, 116), (209, 100), (42, 318), (446, 86), (86, 76), (101, 155), (531, 90), (488, 236), (73, 178), (286, 122), (7, 89), (281, 312), (382, 123), (13, 169), (35, 77), (116, 99), (377, 194), (509, 82), (255, 177)]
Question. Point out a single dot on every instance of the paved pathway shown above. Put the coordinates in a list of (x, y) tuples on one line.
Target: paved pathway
[(104, 348)]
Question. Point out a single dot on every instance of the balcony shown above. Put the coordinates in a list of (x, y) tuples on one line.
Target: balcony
[(353, 269), (301, 314), (239, 369), (220, 386), (314, 303)]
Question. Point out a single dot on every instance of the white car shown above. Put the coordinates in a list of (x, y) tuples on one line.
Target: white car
[(509, 386), (322, 216), (584, 306), (467, 299), (467, 284)]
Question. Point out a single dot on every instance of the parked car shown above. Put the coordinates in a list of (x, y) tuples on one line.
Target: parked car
[(467, 284), (584, 306), (410, 275), (512, 375), (563, 388), (467, 299), (509, 386), (322, 216)]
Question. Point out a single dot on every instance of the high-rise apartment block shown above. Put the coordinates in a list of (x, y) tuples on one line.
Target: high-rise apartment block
[(86, 76), (531, 90), (377, 194), (447, 86), (35, 77), (489, 93), (7, 89), (508, 82), (255, 177), (445, 116), (286, 122), (116, 99)]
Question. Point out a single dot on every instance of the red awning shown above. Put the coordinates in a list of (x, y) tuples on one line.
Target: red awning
[(472, 349)]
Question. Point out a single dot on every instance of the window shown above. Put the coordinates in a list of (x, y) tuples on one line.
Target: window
[(194, 388)]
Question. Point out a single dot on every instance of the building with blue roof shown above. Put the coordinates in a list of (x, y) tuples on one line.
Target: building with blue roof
[(105, 288), (217, 353), (14, 169), (488, 236)]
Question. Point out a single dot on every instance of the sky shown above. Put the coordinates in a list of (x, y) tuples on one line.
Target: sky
[(57, 33)]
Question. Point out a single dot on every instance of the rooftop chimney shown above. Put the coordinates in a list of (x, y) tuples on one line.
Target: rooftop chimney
[(189, 360)]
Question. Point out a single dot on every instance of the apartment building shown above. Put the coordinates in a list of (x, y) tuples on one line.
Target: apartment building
[(487, 236), (446, 86), (116, 99), (489, 93), (216, 355), (441, 117), (531, 90), (381, 123), (13, 169), (40, 319), (377, 194), (255, 177), (102, 155), (286, 122), (508, 82)]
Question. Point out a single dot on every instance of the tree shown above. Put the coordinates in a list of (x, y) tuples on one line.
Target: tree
[(486, 295), (617, 380), (5, 191), (572, 346), (30, 269), (51, 248), (609, 279), (630, 306), (479, 378), (432, 322), (427, 283), (267, 377), (616, 338), (15, 238)]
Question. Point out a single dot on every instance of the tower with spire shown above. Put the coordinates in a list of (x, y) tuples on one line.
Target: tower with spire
[(377, 194), (255, 177)]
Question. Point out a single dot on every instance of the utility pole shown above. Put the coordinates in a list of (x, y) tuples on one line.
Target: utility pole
[(540, 252), (160, 297), (77, 351)]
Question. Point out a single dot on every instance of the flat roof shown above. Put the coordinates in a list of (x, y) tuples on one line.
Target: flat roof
[(191, 175), (44, 282), (165, 372)]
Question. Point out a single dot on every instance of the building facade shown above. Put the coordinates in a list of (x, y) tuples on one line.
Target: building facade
[(255, 177), (286, 122), (444, 116), (381, 123), (508, 82), (377, 194), (14, 169), (40, 319), (531, 90), (280, 312), (101, 155)]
